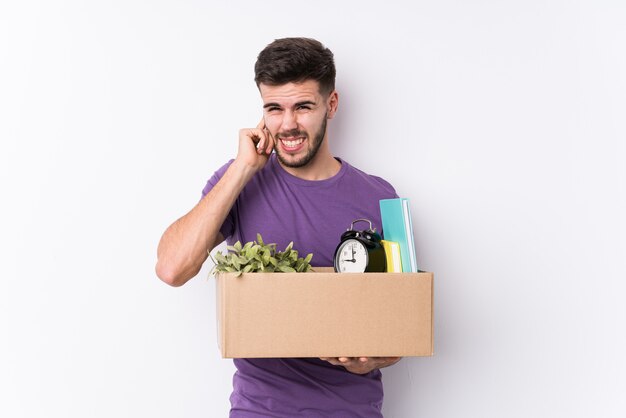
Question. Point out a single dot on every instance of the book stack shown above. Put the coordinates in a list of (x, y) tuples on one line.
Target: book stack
[(398, 235)]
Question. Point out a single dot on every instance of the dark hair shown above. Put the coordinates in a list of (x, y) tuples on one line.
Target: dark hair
[(294, 60)]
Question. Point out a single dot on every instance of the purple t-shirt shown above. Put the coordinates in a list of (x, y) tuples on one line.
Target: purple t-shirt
[(312, 214)]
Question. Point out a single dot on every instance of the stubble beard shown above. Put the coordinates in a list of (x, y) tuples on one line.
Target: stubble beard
[(311, 153)]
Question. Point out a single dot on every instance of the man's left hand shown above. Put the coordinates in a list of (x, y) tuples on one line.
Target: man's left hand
[(362, 365)]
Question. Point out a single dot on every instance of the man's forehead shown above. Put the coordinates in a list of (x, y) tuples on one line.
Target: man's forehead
[(306, 90)]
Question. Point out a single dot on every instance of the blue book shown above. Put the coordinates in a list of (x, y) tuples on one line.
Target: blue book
[(397, 226)]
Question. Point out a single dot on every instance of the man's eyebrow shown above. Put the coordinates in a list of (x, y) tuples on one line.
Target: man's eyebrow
[(302, 103), (306, 102)]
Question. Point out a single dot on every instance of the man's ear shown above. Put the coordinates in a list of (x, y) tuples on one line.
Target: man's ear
[(333, 103)]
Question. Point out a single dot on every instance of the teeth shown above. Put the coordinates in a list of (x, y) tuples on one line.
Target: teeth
[(292, 144)]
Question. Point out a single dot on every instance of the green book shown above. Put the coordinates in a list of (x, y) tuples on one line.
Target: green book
[(397, 226)]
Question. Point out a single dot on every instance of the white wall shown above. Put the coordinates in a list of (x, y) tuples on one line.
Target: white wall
[(502, 121)]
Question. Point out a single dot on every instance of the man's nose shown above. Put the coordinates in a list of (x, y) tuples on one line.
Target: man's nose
[(290, 121)]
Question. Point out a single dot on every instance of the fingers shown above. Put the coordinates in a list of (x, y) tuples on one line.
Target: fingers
[(361, 365), (258, 137), (261, 128), (259, 132), (337, 361), (270, 139), (270, 142), (345, 360), (266, 141), (340, 361)]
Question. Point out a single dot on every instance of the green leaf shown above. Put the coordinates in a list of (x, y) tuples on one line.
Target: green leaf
[(235, 263), (258, 256), (219, 257)]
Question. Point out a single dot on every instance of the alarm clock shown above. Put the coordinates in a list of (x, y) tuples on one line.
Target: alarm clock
[(360, 251)]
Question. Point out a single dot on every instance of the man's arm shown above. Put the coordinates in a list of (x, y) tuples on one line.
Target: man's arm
[(186, 243)]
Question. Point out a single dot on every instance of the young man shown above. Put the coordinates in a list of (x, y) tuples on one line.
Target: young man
[(286, 185)]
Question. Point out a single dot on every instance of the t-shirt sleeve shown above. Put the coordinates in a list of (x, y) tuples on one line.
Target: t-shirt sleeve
[(228, 226), (387, 187)]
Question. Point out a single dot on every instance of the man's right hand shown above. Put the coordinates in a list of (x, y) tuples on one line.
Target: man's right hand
[(255, 146)]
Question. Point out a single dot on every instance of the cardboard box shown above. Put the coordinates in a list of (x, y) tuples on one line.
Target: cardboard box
[(325, 314)]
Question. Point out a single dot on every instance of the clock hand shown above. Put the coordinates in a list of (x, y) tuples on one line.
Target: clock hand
[(352, 261)]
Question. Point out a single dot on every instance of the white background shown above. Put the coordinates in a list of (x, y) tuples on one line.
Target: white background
[(502, 121)]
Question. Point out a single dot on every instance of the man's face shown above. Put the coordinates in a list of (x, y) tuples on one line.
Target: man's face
[(296, 114)]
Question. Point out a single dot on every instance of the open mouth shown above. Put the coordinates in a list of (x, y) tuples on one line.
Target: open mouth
[(292, 143)]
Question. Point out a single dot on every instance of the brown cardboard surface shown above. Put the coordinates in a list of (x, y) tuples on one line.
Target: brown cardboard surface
[(325, 314)]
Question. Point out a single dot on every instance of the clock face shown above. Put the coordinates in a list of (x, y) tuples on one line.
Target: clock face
[(351, 257)]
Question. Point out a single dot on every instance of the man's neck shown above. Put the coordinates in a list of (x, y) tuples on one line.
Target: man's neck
[(322, 167)]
